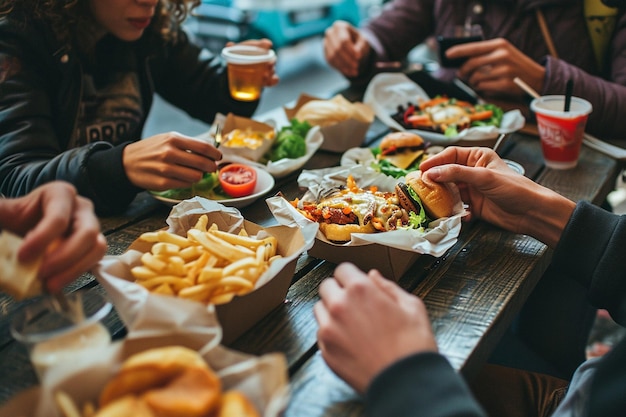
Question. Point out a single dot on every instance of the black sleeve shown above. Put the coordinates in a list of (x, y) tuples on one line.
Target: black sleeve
[(423, 385), (591, 251)]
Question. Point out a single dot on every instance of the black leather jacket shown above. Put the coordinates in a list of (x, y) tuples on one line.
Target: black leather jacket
[(40, 90)]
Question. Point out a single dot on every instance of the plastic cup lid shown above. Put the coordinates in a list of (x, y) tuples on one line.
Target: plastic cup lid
[(247, 54), (553, 106)]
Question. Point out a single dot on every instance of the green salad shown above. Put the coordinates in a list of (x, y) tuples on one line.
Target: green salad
[(290, 142)]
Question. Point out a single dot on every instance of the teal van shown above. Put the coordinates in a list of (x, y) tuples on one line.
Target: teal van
[(284, 22)]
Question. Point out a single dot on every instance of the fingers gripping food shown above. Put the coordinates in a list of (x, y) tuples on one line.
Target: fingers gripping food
[(355, 210), (16, 278), (435, 198), (171, 381)]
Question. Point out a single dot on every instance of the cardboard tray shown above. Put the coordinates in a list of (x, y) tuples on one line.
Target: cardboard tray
[(391, 262), (235, 317)]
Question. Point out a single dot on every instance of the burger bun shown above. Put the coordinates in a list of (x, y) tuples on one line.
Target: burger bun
[(438, 200), (401, 140)]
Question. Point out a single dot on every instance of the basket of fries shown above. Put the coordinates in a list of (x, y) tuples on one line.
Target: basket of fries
[(209, 255)]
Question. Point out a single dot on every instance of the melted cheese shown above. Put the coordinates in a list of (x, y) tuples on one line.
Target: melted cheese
[(385, 204), (403, 160)]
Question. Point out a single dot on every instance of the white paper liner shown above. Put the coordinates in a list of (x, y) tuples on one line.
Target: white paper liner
[(387, 91), (132, 300), (441, 235)]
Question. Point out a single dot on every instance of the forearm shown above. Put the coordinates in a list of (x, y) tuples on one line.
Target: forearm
[(549, 217)]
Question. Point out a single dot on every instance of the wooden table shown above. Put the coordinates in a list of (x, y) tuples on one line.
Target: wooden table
[(472, 292)]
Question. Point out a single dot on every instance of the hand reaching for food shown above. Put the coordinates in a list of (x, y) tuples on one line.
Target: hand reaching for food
[(169, 160)]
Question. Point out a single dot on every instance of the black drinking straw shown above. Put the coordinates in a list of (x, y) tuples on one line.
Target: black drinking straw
[(568, 94)]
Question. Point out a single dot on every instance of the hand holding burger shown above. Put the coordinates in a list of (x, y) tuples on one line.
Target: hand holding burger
[(437, 199)]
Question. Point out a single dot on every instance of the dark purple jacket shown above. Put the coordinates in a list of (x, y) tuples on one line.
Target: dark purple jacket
[(406, 23)]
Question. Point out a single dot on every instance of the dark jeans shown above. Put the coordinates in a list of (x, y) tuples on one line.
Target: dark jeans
[(508, 392), (551, 332)]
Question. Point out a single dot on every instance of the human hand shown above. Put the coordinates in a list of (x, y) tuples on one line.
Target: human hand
[(270, 78), (59, 226), (499, 195), (492, 66), (366, 323), (345, 48), (169, 160)]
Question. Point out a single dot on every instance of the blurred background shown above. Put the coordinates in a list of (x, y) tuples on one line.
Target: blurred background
[(296, 27)]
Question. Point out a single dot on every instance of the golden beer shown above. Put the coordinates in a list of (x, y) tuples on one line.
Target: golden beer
[(246, 68)]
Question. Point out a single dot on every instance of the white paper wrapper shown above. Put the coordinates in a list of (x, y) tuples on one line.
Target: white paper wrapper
[(282, 167), (386, 91), (441, 235)]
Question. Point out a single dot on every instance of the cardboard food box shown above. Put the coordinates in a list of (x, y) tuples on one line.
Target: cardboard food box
[(391, 262), (391, 252), (232, 122), (341, 136), (236, 316)]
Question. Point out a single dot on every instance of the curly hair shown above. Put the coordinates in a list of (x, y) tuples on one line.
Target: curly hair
[(67, 17)]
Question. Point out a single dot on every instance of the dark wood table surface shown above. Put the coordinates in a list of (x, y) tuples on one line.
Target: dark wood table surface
[(472, 292)]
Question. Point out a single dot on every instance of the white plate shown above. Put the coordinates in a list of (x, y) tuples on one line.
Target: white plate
[(264, 183)]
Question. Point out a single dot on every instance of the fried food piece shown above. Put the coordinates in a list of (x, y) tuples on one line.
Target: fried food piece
[(193, 393), (236, 404), (128, 406), (149, 369)]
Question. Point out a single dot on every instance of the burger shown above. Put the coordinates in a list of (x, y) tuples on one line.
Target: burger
[(400, 153), (355, 210), (402, 149), (419, 192)]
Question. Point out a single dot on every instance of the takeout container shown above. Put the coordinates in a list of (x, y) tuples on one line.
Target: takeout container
[(391, 252), (232, 122), (263, 379), (338, 137), (391, 262), (242, 312)]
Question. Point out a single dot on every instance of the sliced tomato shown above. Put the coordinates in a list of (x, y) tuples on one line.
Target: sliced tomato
[(237, 180)]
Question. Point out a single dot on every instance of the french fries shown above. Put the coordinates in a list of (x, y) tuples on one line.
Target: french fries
[(209, 265)]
